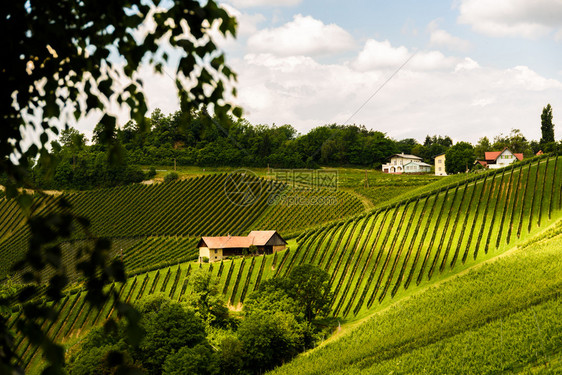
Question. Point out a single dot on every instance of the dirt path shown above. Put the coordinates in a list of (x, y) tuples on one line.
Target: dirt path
[(367, 204)]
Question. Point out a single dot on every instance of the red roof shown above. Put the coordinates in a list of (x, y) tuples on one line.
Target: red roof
[(261, 237), (256, 238), (493, 155), (226, 242)]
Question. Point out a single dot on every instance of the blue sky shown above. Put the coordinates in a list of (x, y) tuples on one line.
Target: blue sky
[(480, 68)]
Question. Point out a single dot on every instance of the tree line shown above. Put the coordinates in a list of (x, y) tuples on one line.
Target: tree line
[(196, 138)]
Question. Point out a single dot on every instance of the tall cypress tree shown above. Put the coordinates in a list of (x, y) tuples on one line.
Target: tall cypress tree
[(547, 127)]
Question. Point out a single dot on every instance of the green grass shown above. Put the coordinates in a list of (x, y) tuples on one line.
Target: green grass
[(373, 255), (457, 326)]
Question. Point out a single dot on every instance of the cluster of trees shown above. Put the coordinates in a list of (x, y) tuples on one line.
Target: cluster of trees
[(199, 337), (73, 164), (196, 138), (461, 156)]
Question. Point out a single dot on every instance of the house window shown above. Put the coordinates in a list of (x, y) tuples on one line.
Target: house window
[(439, 161), (439, 169)]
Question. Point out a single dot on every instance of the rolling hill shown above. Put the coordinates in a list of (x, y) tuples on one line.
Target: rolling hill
[(448, 240), (158, 224)]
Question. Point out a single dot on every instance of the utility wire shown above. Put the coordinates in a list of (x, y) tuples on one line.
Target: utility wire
[(368, 99), (380, 87)]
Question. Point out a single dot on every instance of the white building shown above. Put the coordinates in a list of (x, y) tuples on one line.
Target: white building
[(398, 161), (417, 167), (499, 159), (440, 165)]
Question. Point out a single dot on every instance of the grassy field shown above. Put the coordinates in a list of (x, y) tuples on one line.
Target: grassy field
[(411, 274), (501, 315)]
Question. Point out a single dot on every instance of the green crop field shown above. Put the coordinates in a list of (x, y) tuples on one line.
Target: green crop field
[(503, 315), (159, 224), (389, 266)]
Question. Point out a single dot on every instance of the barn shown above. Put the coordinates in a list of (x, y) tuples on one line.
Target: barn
[(218, 248)]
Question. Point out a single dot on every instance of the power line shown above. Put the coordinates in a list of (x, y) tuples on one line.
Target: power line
[(380, 87)]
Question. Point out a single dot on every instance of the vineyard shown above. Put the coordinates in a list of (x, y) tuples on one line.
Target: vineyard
[(372, 257), (297, 209), (161, 222), (499, 317)]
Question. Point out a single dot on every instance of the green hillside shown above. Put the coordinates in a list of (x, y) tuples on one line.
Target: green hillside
[(502, 315), (430, 236), (386, 259), (156, 224)]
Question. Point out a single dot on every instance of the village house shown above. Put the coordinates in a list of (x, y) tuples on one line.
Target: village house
[(499, 159), (398, 161), (440, 165), (218, 248), (417, 167)]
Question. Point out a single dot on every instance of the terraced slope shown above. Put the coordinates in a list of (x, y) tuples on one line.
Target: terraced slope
[(388, 252), (501, 316), (294, 210), (412, 242), (168, 217)]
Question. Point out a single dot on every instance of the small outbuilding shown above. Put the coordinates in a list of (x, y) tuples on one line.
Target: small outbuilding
[(218, 248)]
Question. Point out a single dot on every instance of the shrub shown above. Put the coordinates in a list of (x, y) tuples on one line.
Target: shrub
[(151, 173), (171, 176)]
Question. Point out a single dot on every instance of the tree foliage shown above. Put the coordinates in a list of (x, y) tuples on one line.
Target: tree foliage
[(547, 127), (270, 338), (310, 287), (168, 328), (459, 158), (206, 298), (515, 141), (195, 139), (71, 164), (62, 62), (174, 342)]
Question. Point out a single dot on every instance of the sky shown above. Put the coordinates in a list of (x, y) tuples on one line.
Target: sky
[(408, 68)]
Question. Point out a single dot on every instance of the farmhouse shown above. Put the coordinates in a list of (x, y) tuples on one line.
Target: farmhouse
[(499, 159), (417, 167), (398, 161), (440, 165), (218, 248)]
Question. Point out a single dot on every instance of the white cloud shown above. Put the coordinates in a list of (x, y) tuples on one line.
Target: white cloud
[(382, 55), (521, 18), (465, 102), (268, 3), (302, 36), (466, 64), (441, 38), (376, 55)]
